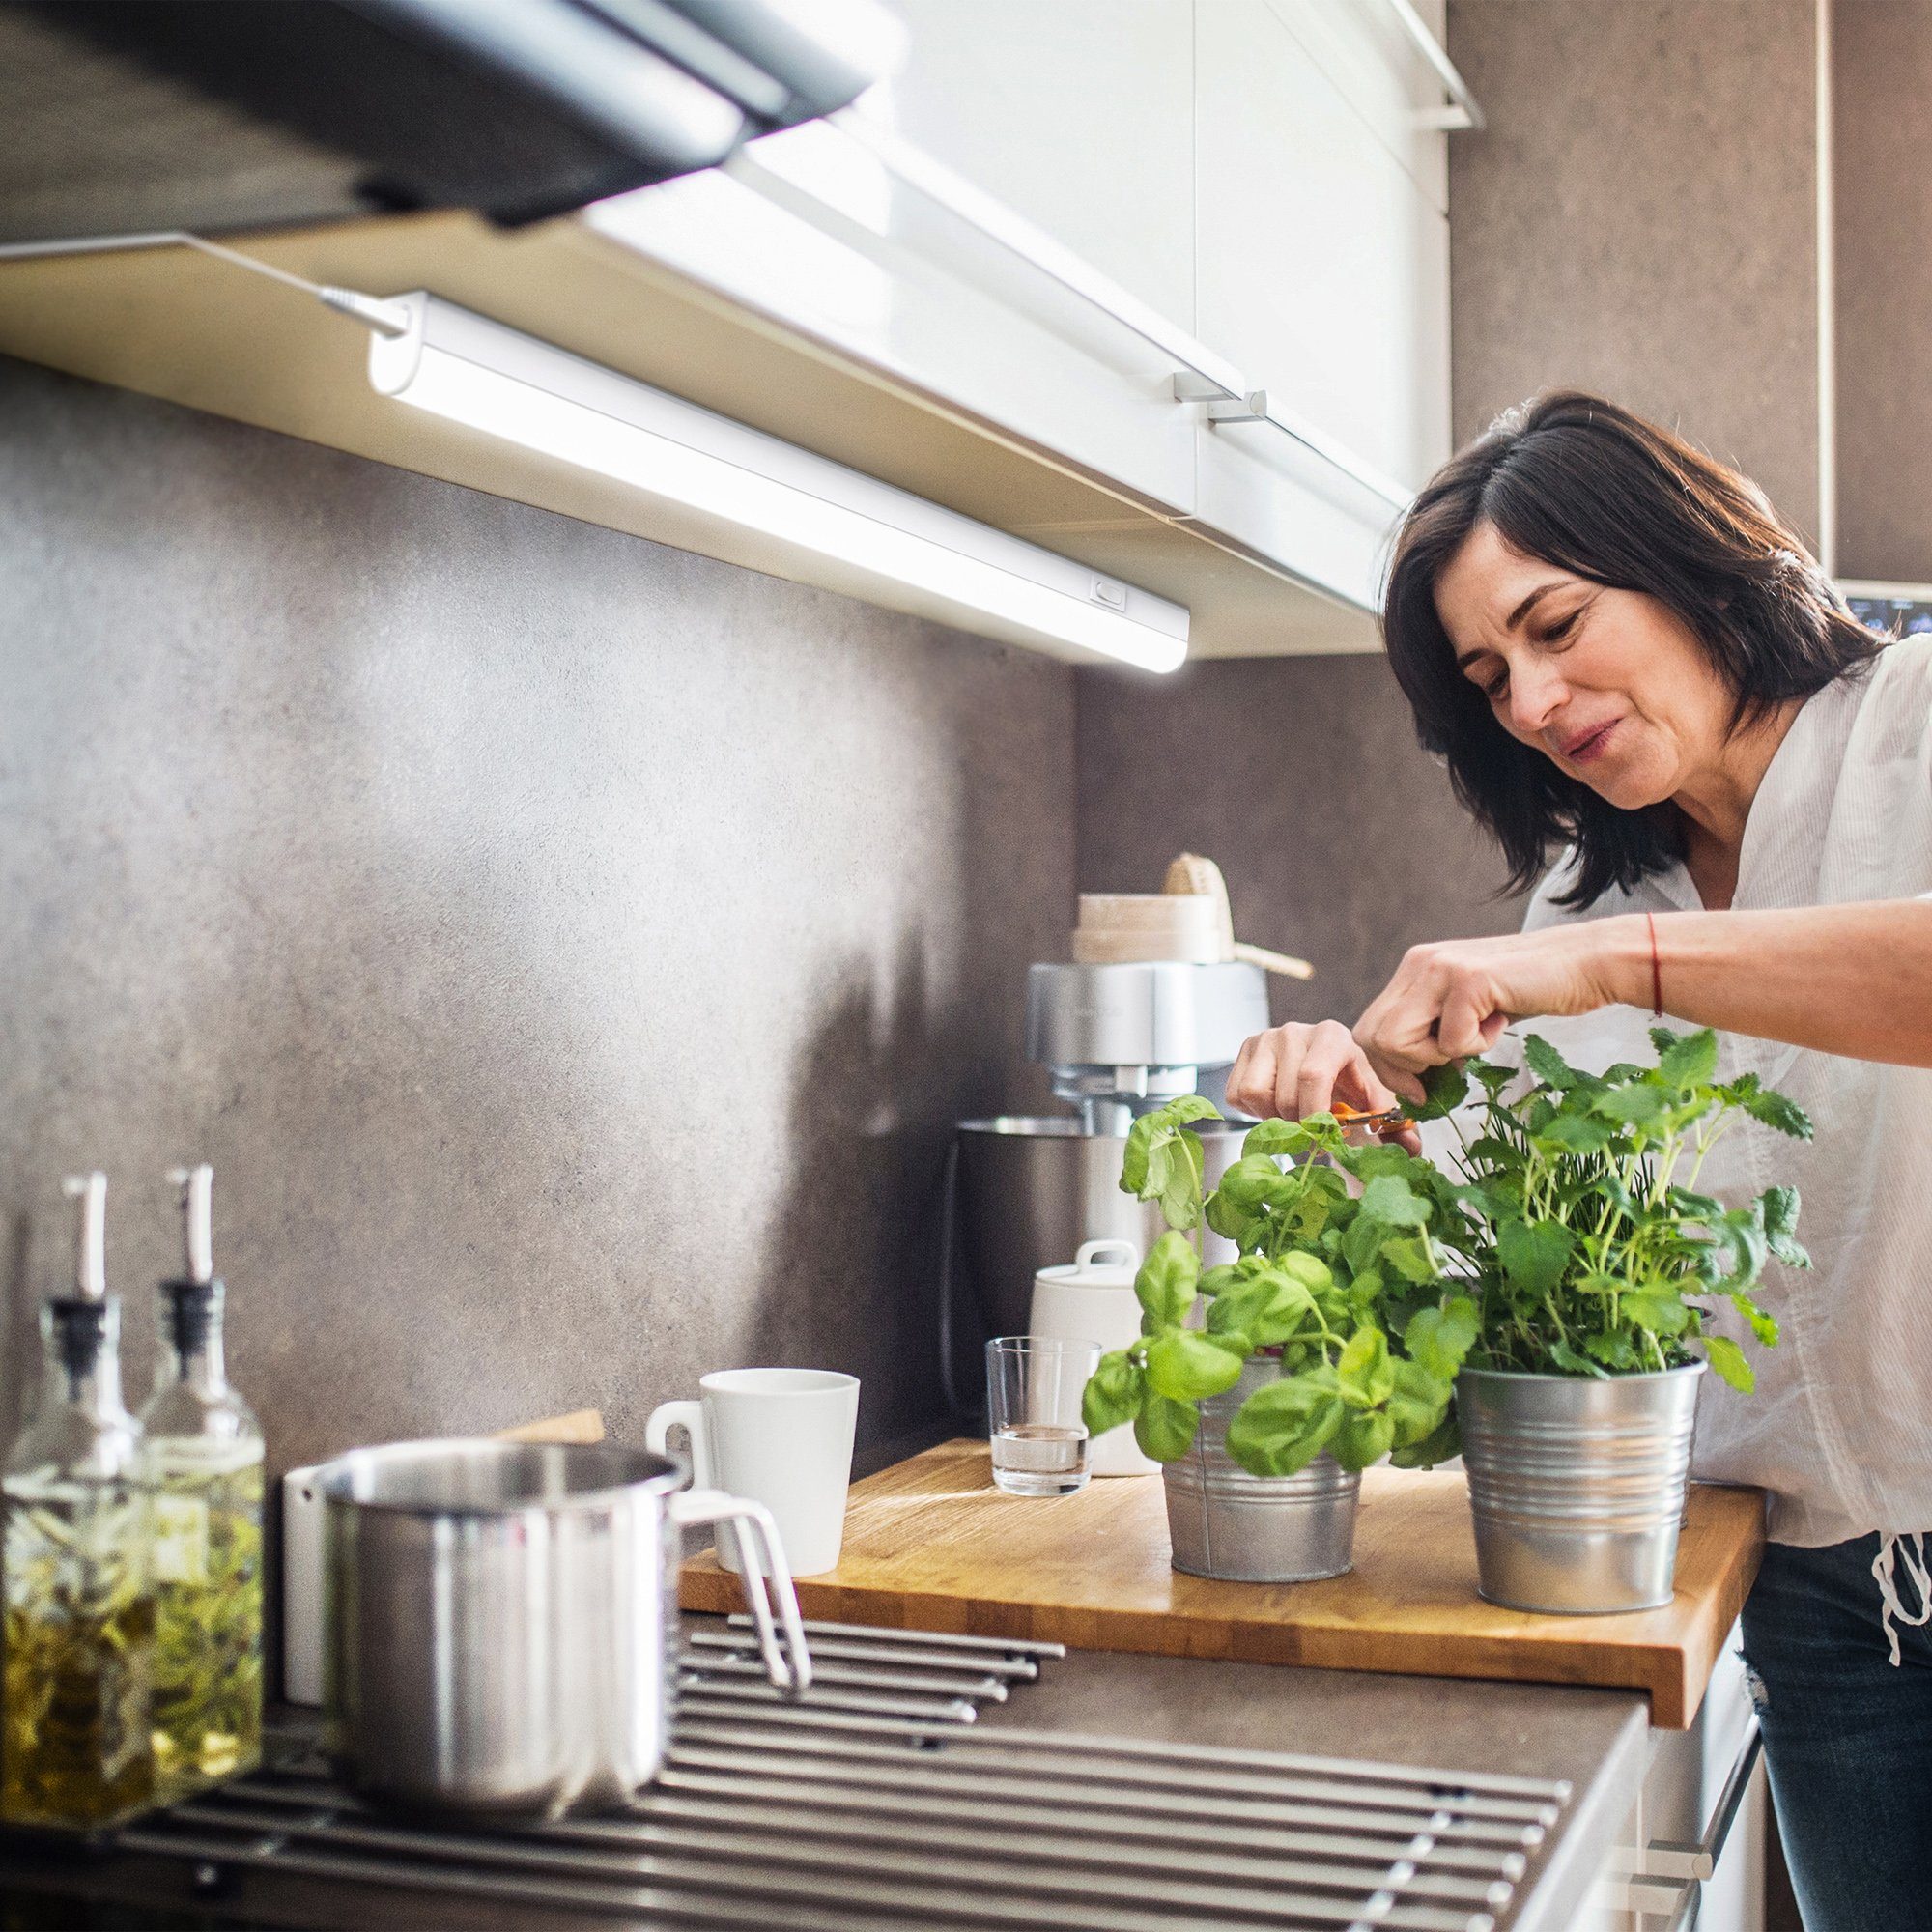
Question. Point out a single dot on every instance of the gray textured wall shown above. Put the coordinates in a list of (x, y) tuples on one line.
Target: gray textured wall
[(1639, 218), (568, 951), (1881, 74), (1302, 779)]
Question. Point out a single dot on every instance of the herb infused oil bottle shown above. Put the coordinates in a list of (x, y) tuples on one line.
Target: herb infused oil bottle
[(202, 1454), (75, 1747)]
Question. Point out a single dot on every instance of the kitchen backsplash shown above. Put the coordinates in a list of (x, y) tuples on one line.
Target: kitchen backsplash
[(569, 952), (1301, 776)]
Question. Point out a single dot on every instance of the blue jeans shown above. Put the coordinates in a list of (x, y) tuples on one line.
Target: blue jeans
[(1848, 1738)]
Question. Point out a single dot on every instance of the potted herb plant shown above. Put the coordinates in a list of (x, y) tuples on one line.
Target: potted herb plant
[(1331, 1339), (1595, 1267)]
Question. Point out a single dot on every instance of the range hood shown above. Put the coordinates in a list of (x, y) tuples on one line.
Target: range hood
[(217, 115)]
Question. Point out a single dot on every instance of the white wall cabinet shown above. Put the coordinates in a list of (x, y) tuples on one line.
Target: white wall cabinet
[(980, 285), (1260, 176), (1261, 173), (1322, 265), (1078, 114)]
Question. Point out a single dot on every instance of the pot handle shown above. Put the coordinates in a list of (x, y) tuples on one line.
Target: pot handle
[(759, 1572)]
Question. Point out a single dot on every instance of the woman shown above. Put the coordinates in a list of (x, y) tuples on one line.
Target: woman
[(1622, 653)]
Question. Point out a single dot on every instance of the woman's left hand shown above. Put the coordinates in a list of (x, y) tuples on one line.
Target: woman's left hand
[(1451, 999)]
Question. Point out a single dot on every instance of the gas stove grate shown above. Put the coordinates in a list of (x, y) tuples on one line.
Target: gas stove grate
[(875, 1805)]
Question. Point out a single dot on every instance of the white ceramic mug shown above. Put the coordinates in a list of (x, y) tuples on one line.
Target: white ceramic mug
[(781, 1436), (1094, 1300)]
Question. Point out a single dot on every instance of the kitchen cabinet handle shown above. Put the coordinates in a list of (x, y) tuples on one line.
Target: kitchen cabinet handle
[(1201, 376), (1665, 1858), (1467, 112)]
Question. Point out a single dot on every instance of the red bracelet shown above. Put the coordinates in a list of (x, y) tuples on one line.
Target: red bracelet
[(1655, 971)]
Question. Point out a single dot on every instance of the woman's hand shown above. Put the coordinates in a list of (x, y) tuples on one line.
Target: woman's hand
[(1296, 1070), (1451, 1000)]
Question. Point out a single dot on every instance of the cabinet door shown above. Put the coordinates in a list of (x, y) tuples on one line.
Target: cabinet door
[(1077, 114), (1323, 264), (1082, 130)]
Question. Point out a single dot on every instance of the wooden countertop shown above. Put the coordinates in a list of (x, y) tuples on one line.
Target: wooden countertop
[(931, 1545)]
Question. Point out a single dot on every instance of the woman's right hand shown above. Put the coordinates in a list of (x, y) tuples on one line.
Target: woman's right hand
[(1295, 1071)]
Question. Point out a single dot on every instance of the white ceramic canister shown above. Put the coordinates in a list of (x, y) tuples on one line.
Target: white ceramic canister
[(1093, 1300)]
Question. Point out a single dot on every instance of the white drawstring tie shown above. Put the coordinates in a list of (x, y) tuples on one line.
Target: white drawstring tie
[(1891, 1546)]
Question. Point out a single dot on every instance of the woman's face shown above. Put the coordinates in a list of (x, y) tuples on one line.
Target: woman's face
[(1610, 684)]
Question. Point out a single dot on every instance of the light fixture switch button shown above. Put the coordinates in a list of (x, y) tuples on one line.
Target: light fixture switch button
[(1104, 590)]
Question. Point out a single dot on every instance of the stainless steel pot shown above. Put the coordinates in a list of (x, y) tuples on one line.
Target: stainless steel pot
[(1023, 1193), (1222, 1521), (1577, 1486), (498, 1620)]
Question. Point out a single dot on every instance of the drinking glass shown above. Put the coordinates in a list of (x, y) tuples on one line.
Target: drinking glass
[(1033, 1384)]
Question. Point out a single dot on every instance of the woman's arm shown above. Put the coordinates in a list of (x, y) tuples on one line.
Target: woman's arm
[(1850, 979)]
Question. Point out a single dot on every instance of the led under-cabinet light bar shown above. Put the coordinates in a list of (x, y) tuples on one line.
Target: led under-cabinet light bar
[(807, 516)]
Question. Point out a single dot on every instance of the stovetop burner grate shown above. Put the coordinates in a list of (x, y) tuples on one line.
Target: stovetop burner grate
[(876, 1803)]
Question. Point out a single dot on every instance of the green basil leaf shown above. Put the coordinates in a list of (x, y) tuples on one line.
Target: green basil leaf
[(1656, 1307), (1185, 1365), (1168, 1281), (1255, 1181), (1781, 1221), (1446, 1086), (1275, 1137), (1534, 1253), (1180, 1193), (1631, 1105), (1284, 1427), (1418, 1405), (1774, 1111), (1366, 1435), (1763, 1325), (1689, 1061), (1264, 1311), (1439, 1339), (1572, 1363), (1381, 1157), (1547, 1064), (1443, 1442), (1313, 1273), (1113, 1393), (1363, 1370), (1728, 1359), (1575, 1133), (1390, 1200), (1164, 1428), (1232, 1222), (1411, 1257)]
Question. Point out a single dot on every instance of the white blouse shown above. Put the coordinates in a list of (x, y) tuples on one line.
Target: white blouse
[(1839, 1428)]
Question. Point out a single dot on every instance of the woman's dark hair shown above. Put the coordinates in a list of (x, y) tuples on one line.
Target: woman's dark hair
[(1576, 482)]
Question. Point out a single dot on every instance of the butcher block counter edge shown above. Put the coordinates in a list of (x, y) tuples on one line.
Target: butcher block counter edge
[(931, 1544)]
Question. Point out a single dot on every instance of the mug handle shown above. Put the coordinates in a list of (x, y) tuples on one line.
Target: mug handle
[(1114, 1244), (752, 1522), (690, 1417)]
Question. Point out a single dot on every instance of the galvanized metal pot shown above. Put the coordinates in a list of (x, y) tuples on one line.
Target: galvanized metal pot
[(1224, 1522), (500, 1620), (1577, 1486)]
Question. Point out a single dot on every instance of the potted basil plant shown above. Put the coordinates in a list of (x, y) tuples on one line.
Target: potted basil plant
[(1596, 1269), (1332, 1339)]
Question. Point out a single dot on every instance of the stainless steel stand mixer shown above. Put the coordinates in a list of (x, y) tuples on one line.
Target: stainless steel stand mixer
[(1024, 1192)]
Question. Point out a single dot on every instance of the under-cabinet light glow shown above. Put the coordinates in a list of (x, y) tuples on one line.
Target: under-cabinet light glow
[(884, 542)]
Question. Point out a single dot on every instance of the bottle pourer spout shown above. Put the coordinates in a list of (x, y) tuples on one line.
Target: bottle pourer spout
[(197, 1205), (90, 1248)]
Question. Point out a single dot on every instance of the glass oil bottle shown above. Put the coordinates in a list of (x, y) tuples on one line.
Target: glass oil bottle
[(75, 1748), (202, 1452)]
